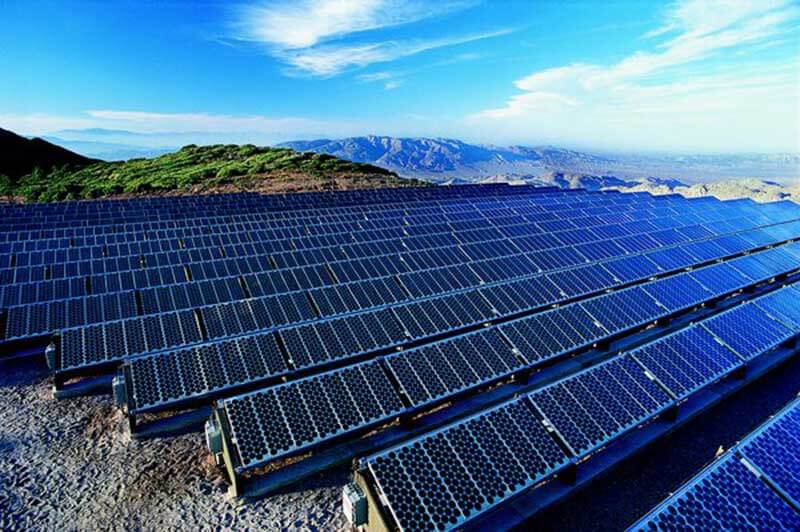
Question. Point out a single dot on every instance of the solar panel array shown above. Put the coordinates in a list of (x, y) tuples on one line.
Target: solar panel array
[(437, 371), (447, 477), (337, 340), (357, 334), (278, 306), (81, 213), (754, 486), (315, 318)]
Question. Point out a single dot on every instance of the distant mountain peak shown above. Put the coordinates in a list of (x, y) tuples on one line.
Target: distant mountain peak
[(99, 131), (441, 159)]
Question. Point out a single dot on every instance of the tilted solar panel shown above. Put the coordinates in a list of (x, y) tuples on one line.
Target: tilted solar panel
[(754, 485), (621, 310), (773, 450), (555, 332), (586, 412), (727, 496)]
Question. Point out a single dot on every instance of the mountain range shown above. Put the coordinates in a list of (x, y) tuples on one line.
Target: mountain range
[(442, 160), (108, 151), (450, 161)]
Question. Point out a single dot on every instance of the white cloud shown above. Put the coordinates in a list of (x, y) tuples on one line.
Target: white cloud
[(293, 24), (682, 92), (42, 123), (148, 122), (375, 76), (393, 79), (329, 60), (697, 18), (315, 37)]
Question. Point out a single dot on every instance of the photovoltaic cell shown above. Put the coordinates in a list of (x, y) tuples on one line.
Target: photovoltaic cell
[(748, 330), (747, 488), (575, 406), (727, 496), (468, 467), (773, 450)]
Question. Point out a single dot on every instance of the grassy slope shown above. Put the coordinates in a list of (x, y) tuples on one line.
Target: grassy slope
[(195, 169)]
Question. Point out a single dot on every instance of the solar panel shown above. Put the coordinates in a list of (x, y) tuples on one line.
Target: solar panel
[(675, 293), (752, 486), (631, 268), (298, 414), (748, 330), (572, 406), (454, 474), (585, 412), (532, 340), (722, 277), (727, 496), (687, 361), (772, 450), (623, 310), (782, 306)]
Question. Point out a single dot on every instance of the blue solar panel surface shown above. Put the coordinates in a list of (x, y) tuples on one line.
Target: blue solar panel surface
[(531, 340), (589, 411), (84, 357), (755, 485), (343, 311)]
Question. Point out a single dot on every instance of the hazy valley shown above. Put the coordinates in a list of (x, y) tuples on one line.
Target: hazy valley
[(762, 177), (440, 161)]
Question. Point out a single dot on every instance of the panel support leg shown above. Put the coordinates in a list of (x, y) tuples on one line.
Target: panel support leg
[(132, 426), (671, 413), (58, 382), (570, 473)]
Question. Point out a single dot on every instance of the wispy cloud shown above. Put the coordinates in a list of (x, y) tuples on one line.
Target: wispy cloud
[(44, 123), (329, 60), (324, 38), (293, 24), (389, 80), (396, 78), (148, 121), (682, 82), (376, 76)]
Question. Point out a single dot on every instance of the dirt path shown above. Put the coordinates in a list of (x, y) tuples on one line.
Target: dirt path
[(68, 465)]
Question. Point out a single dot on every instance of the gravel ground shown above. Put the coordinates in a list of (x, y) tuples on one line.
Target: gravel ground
[(70, 465)]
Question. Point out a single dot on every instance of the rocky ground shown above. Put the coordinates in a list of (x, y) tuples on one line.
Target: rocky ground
[(70, 465)]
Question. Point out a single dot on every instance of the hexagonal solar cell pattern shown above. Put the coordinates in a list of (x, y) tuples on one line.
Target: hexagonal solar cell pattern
[(449, 476), (727, 496), (747, 488), (775, 451)]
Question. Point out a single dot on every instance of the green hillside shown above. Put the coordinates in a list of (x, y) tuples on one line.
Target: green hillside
[(195, 169)]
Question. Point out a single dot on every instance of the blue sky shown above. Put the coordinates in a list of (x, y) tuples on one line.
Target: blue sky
[(622, 75)]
